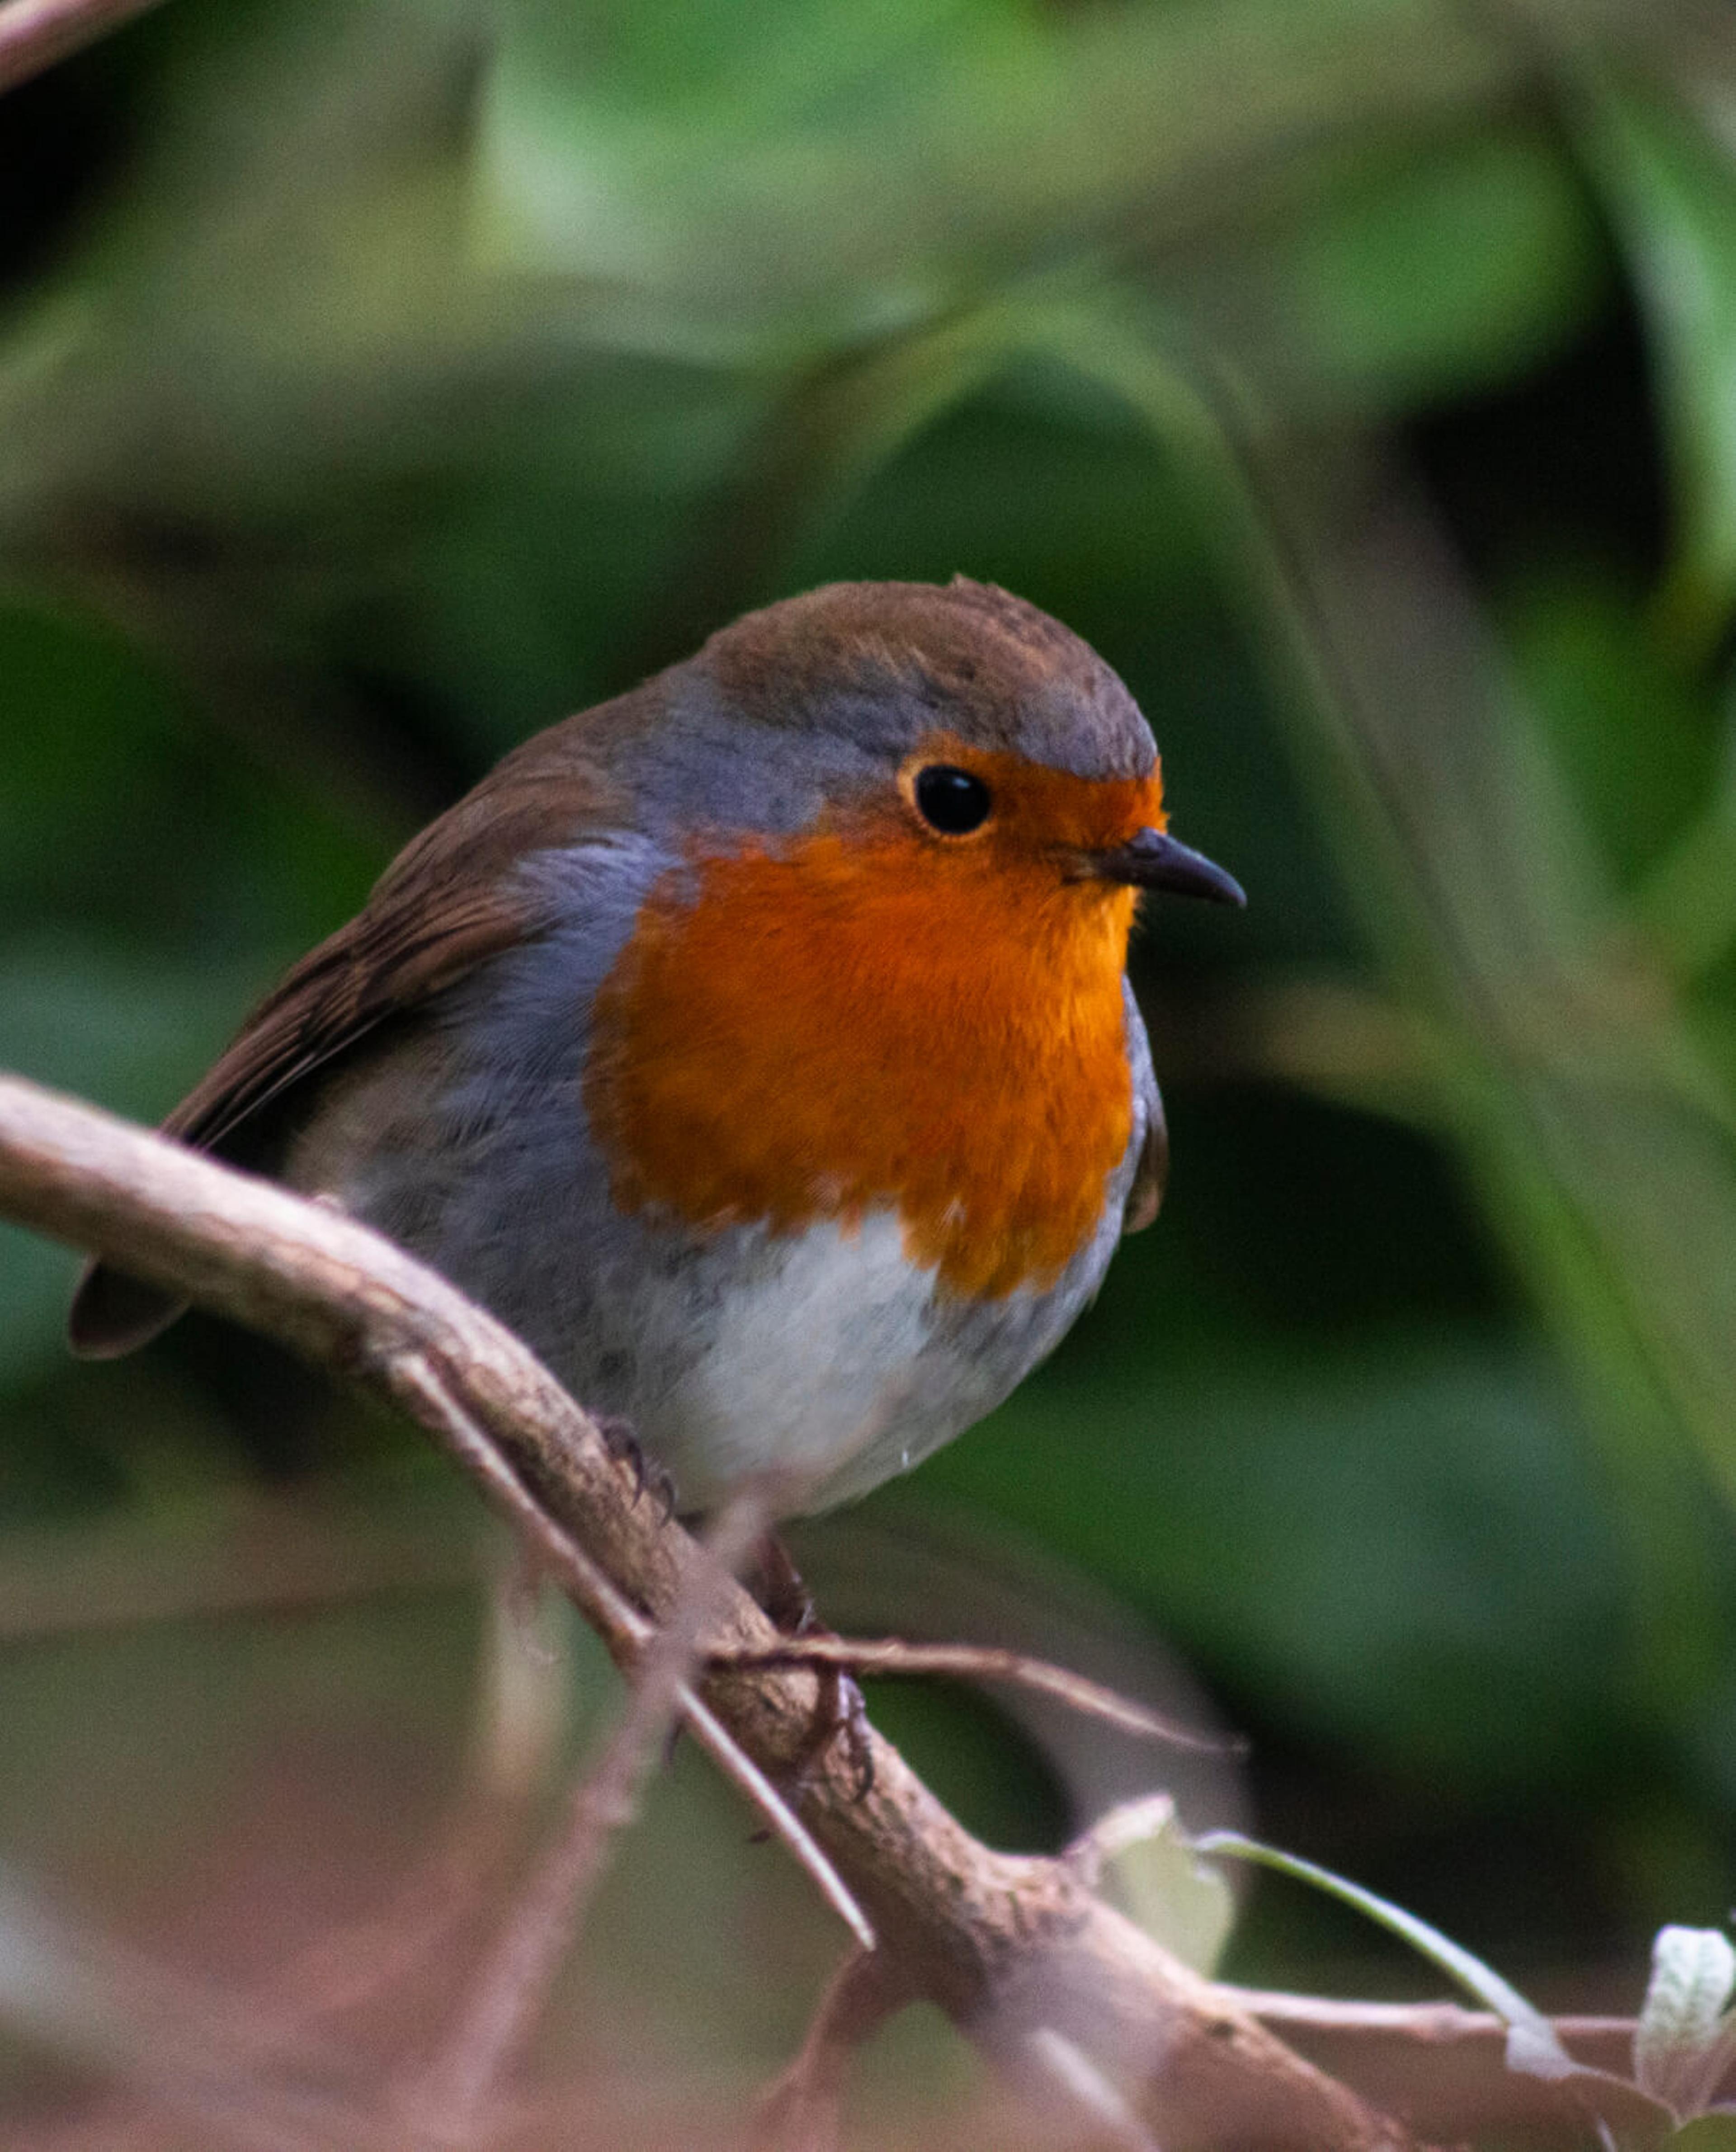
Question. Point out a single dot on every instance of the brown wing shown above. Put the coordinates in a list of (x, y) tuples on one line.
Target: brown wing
[(432, 918), (1145, 1197), (449, 900)]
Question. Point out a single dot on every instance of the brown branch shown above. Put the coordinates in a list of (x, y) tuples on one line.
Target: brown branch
[(35, 34), (1016, 1950)]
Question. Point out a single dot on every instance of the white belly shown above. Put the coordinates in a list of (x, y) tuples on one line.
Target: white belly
[(812, 1363)]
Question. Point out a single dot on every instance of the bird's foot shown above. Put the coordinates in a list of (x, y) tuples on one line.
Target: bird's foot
[(625, 1447), (839, 1714), (782, 1591), (841, 1717)]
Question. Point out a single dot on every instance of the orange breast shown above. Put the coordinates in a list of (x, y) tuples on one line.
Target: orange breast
[(867, 1018)]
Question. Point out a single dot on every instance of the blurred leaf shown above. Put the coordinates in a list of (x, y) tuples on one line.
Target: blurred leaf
[(1682, 2046), (1351, 1534), (73, 1014), (85, 723), (1421, 276), (1688, 902), (1608, 1141), (105, 766), (1602, 1135), (726, 171), (1637, 742), (35, 1282), (1706, 2133), (1668, 166), (1144, 1862)]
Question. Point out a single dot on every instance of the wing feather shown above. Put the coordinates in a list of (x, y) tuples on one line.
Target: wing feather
[(1151, 1171), (451, 899)]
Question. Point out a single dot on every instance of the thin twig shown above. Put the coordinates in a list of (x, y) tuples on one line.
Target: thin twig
[(739, 1767), (512, 1985), (420, 1384), (800, 2112), (521, 1712), (1443, 2066), (586, 1586), (988, 1663), (1004, 1944), (34, 35)]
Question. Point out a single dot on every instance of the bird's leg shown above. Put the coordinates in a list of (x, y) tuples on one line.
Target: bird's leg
[(839, 1711), (781, 1589), (624, 1446)]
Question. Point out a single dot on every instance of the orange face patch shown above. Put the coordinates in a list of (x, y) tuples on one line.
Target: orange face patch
[(874, 1016)]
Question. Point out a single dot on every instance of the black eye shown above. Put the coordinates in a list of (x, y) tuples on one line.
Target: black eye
[(951, 800)]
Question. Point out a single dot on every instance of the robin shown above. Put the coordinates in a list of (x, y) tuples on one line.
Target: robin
[(758, 1045)]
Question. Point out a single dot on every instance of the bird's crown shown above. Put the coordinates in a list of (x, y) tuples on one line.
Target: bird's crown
[(886, 662)]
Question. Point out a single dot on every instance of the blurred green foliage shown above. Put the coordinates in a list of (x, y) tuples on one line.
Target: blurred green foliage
[(380, 383)]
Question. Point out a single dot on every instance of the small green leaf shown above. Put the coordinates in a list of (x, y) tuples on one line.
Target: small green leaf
[(1532, 2046), (1694, 1970), (1671, 182), (1438, 268), (1142, 1861)]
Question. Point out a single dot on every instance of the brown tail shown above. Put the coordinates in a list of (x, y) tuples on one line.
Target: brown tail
[(112, 1314)]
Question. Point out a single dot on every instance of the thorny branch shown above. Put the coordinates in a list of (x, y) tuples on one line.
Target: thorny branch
[(1018, 1950)]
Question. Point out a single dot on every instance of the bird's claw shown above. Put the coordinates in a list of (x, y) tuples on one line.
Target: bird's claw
[(839, 1713), (841, 1717), (625, 1447)]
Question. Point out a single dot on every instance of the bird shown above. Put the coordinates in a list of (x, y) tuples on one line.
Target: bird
[(758, 1044)]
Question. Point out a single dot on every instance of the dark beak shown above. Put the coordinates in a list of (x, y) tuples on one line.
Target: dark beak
[(1152, 861)]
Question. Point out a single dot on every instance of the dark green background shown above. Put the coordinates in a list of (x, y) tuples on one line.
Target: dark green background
[(378, 384)]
